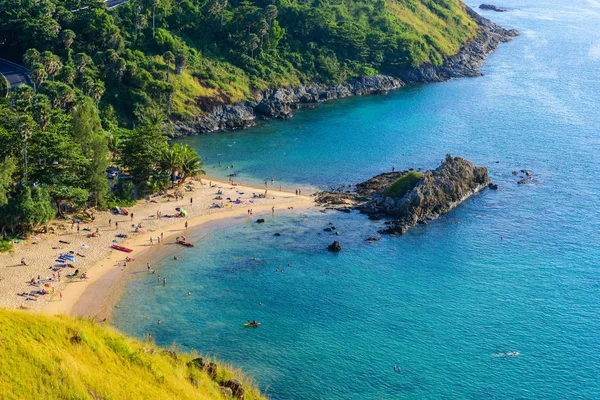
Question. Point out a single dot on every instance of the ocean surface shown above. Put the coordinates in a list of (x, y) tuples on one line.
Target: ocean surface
[(517, 270)]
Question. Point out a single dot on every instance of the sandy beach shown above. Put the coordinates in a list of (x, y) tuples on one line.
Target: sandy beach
[(104, 266)]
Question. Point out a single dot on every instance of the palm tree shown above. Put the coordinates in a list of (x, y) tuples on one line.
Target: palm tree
[(181, 160), (191, 164), (170, 161)]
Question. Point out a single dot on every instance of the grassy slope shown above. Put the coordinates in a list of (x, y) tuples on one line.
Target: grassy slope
[(403, 184), (38, 361), (448, 34)]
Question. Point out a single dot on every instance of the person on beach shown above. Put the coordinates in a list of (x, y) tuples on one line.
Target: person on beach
[(273, 210), (149, 337), (61, 295), (164, 281), (23, 261), (186, 224), (116, 225), (296, 192), (78, 227), (132, 216), (158, 239), (109, 222), (191, 200), (148, 267), (161, 236), (151, 241)]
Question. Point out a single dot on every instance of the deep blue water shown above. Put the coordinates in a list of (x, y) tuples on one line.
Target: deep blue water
[(513, 270)]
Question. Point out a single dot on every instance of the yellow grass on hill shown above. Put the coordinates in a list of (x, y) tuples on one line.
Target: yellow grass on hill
[(57, 357)]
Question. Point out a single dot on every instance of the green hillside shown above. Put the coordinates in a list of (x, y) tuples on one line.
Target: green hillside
[(183, 55), (51, 358)]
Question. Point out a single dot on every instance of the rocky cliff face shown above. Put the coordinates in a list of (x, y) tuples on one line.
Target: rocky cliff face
[(279, 103)]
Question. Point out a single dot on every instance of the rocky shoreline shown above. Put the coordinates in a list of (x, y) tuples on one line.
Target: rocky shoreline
[(280, 103), (431, 195)]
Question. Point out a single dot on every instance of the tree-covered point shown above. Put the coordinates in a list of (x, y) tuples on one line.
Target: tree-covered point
[(184, 55)]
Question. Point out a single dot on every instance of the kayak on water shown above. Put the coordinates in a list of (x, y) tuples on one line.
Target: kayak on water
[(121, 248), (253, 324)]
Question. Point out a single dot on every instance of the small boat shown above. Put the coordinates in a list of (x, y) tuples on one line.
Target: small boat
[(253, 324), (124, 211), (121, 248), (186, 244)]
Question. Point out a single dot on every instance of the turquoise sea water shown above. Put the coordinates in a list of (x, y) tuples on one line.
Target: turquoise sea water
[(513, 270)]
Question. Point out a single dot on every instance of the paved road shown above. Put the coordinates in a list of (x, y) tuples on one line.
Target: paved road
[(15, 74), (114, 3)]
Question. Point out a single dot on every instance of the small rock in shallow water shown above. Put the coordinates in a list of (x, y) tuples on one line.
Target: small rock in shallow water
[(493, 186), (335, 246), (260, 220)]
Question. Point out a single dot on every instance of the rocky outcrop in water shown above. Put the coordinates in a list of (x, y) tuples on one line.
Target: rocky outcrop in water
[(280, 103), (436, 193), (492, 7)]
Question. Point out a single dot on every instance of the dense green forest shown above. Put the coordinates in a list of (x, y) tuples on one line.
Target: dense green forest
[(109, 83)]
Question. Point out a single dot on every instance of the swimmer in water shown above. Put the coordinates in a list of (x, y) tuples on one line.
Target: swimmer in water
[(189, 293), (260, 304), (159, 322), (176, 258)]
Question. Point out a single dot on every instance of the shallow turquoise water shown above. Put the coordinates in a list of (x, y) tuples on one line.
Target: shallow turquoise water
[(513, 270)]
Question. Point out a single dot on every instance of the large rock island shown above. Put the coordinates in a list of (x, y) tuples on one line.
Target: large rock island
[(409, 198)]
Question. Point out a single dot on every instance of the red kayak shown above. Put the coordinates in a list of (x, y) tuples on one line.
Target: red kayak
[(121, 248), (186, 244), (124, 210)]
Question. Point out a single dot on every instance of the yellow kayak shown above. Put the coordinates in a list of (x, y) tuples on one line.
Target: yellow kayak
[(252, 324)]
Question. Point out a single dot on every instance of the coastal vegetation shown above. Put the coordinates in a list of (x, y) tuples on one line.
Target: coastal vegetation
[(403, 185), (63, 358)]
